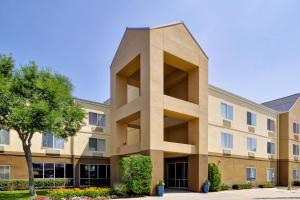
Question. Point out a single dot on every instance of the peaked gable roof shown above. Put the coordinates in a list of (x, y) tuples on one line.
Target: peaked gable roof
[(168, 25), (283, 104)]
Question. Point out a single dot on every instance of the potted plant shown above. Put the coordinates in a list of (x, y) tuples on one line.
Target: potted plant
[(160, 188), (205, 187)]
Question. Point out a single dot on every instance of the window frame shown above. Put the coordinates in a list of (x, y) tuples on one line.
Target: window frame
[(273, 175), (298, 174), (297, 150), (89, 175), (227, 115), (271, 126), (272, 143), (230, 142), (253, 121), (54, 138), (100, 119), (4, 165), (8, 137), (251, 139), (250, 179), (296, 128), (97, 145)]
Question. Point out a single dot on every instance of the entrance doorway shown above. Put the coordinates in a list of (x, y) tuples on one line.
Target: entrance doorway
[(177, 175)]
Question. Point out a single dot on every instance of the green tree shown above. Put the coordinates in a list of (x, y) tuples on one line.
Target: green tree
[(34, 101), (214, 177)]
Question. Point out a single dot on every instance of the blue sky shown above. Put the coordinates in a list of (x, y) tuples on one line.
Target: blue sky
[(253, 46)]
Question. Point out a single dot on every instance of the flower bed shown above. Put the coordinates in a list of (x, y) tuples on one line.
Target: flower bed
[(87, 193)]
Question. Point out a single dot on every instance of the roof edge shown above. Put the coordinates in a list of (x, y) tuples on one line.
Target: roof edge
[(243, 99), (91, 102)]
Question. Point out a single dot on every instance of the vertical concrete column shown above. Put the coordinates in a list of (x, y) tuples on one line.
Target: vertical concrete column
[(157, 158)]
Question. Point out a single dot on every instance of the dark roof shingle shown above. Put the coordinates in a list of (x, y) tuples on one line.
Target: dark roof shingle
[(283, 104)]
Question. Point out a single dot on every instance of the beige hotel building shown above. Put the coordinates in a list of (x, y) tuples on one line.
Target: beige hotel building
[(161, 105)]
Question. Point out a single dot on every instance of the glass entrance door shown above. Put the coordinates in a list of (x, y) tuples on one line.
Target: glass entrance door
[(177, 175)]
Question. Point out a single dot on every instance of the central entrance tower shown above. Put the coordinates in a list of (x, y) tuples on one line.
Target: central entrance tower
[(159, 93)]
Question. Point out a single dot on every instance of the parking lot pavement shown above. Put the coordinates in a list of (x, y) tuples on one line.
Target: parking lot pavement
[(251, 194)]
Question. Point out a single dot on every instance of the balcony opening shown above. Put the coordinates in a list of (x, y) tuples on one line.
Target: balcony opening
[(128, 82), (175, 130), (181, 79)]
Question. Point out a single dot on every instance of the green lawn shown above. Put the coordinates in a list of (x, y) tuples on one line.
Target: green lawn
[(19, 194)]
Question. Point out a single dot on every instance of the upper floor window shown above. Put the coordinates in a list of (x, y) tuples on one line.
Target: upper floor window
[(251, 119), (4, 136), (51, 141), (226, 141), (251, 144), (295, 149), (251, 174), (295, 174), (96, 119), (97, 145), (271, 148), (270, 125), (4, 172), (295, 128), (226, 111)]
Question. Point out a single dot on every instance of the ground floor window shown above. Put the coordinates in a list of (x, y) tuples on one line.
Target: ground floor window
[(270, 175), (295, 174), (251, 174), (94, 175), (4, 172), (54, 170)]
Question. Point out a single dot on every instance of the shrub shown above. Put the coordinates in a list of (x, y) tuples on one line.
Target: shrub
[(22, 184), (76, 192), (214, 177), (241, 186), (266, 185), (120, 190), (224, 187), (296, 183), (136, 173)]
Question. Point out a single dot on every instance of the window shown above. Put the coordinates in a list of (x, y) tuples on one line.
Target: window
[(97, 145), (4, 136), (226, 111), (54, 170), (251, 144), (295, 174), (4, 172), (94, 175), (96, 119), (271, 148), (51, 141), (295, 150), (270, 175), (226, 141), (270, 125), (295, 128), (251, 119), (251, 174)]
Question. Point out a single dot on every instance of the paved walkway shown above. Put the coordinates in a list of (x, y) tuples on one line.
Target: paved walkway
[(251, 194)]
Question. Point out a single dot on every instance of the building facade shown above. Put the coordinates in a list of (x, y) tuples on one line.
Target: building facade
[(161, 105)]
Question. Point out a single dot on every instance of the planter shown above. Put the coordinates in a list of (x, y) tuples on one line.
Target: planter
[(160, 190), (205, 188)]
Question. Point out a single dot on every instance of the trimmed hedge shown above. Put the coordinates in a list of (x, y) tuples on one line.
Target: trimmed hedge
[(266, 185), (22, 184), (224, 187), (136, 173), (241, 186), (120, 190), (92, 192), (296, 183), (214, 177)]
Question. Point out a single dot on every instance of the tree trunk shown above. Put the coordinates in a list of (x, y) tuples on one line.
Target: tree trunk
[(28, 157)]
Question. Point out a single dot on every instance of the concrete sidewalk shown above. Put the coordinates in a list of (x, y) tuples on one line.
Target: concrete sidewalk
[(251, 194)]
